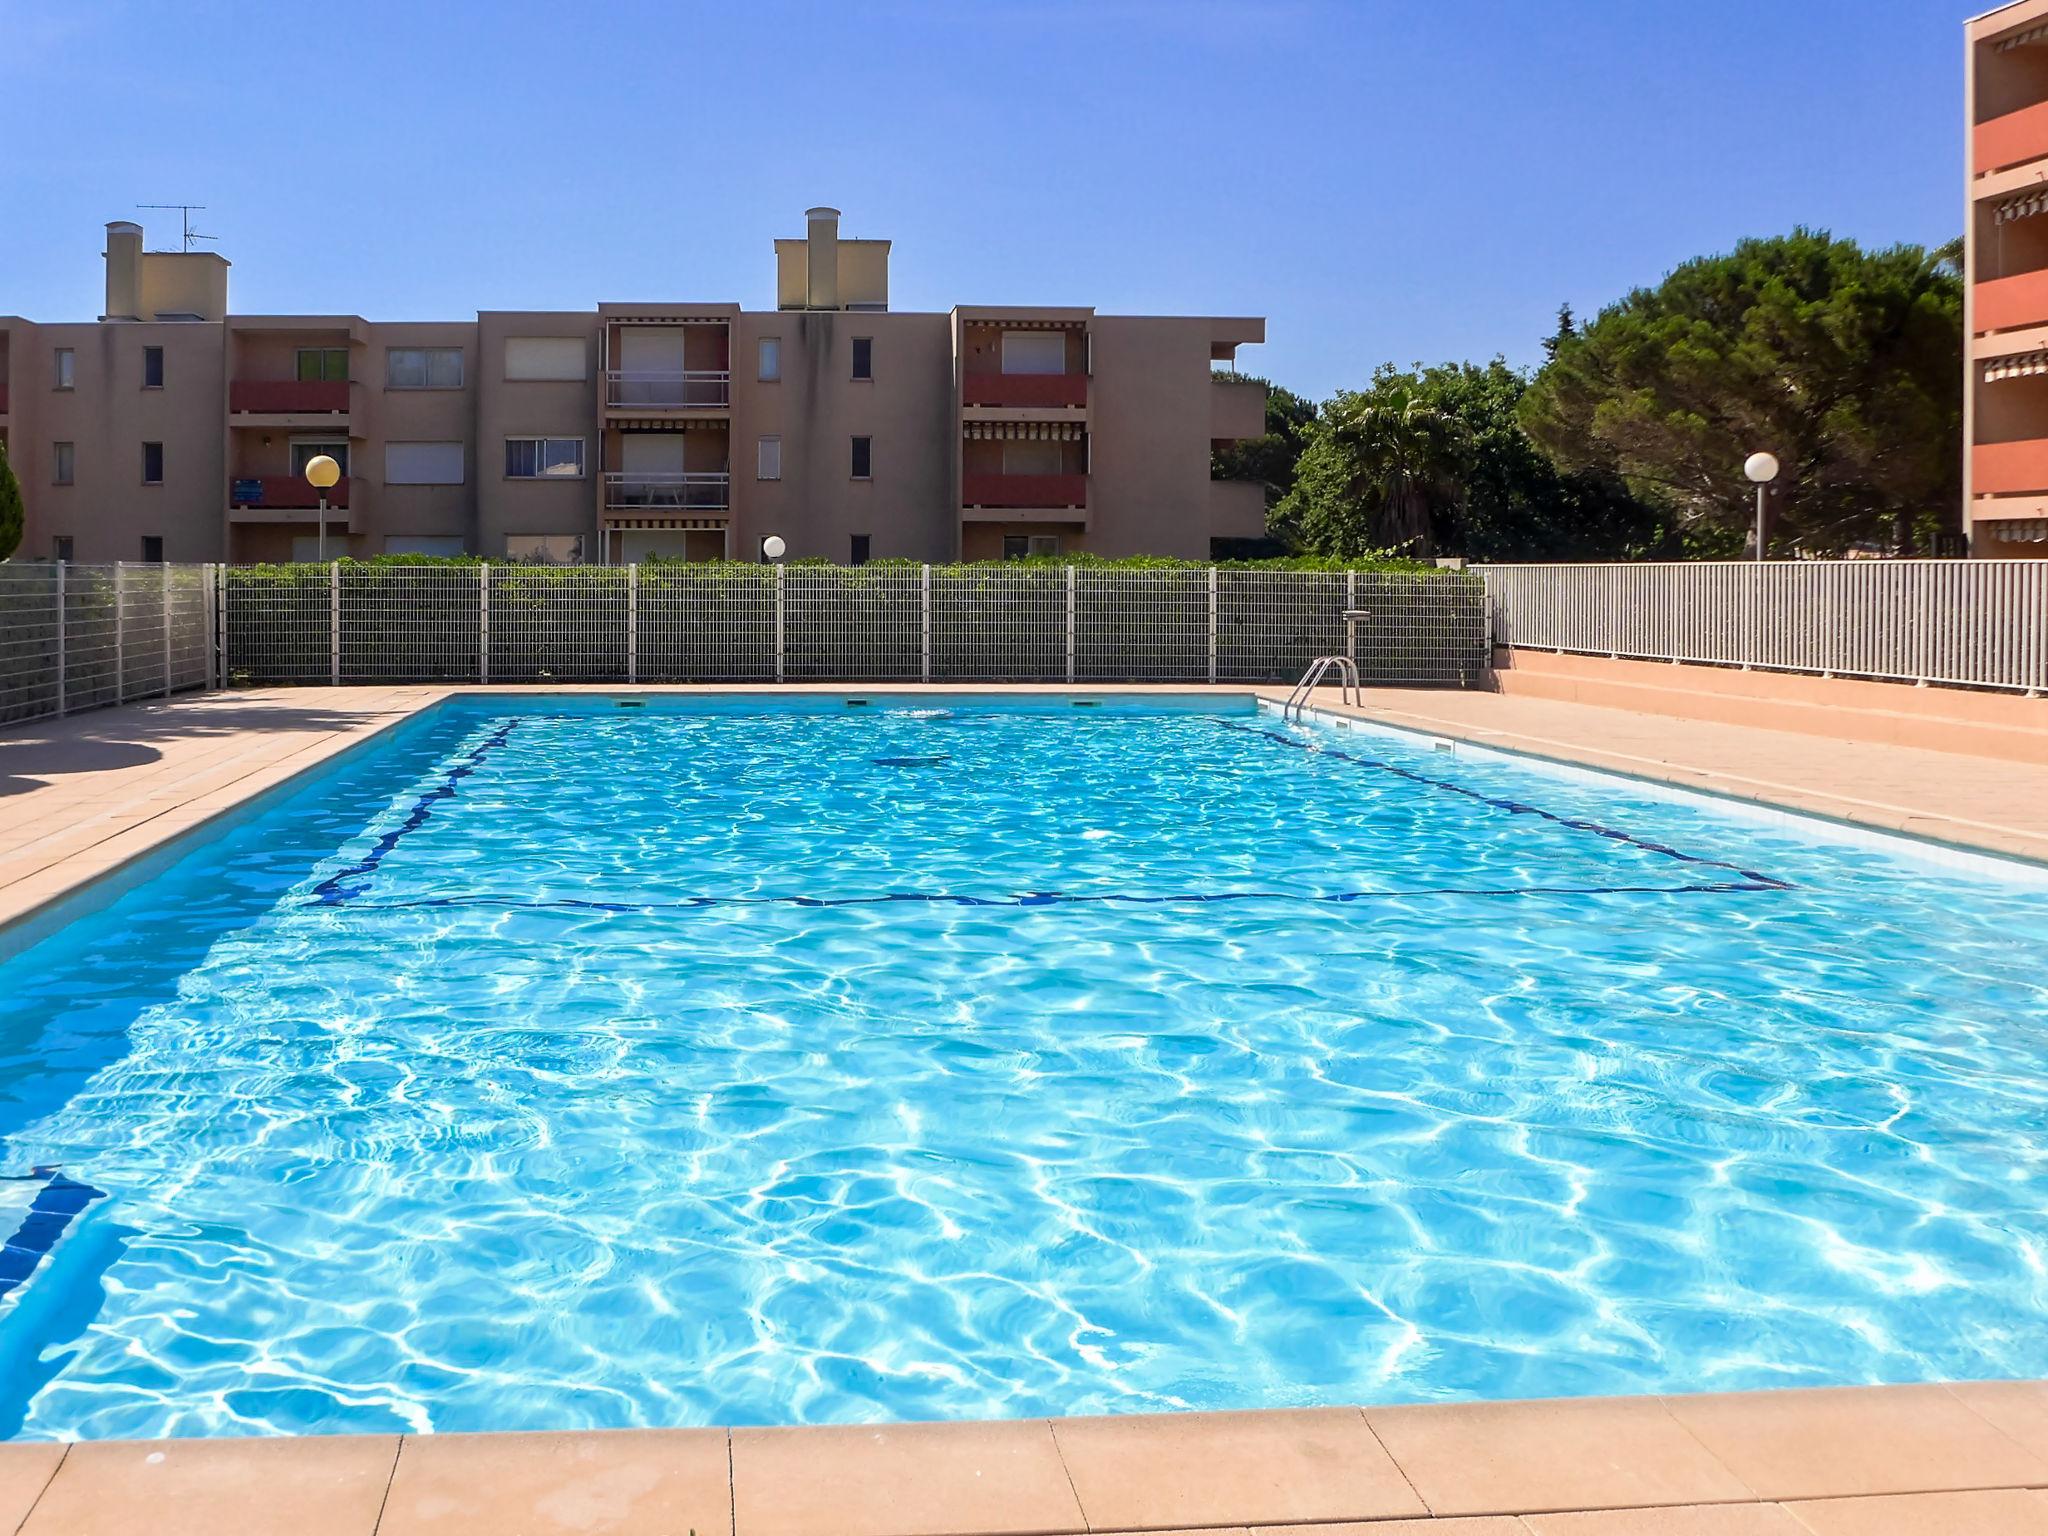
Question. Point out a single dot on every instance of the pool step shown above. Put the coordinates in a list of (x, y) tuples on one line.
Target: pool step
[(2007, 726)]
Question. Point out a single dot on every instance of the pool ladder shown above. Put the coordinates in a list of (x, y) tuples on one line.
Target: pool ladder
[(1347, 676)]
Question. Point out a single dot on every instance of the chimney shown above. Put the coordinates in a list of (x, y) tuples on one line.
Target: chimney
[(124, 271), (822, 245)]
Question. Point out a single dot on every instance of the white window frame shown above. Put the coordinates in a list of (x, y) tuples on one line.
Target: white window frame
[(427, 357), (66, 365), (769, 369), (768, 457), (542, 457)]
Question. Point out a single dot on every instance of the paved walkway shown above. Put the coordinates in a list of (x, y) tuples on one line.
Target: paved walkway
[(82, 796)]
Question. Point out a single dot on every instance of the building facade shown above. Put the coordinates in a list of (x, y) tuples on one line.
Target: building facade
[(2005, 389), (172, 428)]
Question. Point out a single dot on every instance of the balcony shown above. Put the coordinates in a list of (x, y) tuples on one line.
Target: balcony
[(1023, 491), (1026, 390), (636, 389), (632, 491), (1237, 410), (2008, 303), (2010, 469), (288, 397), (3, 398), (2010, 140), (278, 493)]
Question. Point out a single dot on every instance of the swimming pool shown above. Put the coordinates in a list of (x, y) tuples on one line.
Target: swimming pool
[(568, 1063)]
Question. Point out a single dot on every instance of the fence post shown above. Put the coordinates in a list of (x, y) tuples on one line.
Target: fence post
[(780, 572), (925, 611), (1351, 606), (483, 621), (120, 636), (166, 569), (220, 576), (334, 624), (1073, 575), (1212, 624), (206, 627), (60, 636), (632, 623)]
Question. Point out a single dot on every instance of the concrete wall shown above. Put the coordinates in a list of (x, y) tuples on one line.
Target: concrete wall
[(534, 408)]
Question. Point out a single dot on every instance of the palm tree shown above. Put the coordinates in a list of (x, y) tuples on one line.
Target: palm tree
[(1380, 469)]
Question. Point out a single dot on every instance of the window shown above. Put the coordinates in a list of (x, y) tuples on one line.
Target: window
[(63, 463), (423, 464), (423, 367), (60, 550), (862, 543), (152, 367), (306, 449), (306, 548), (863, 357), (1032, 546), (545, 548), (771, 358), (422, 544), (152, 549), (565, 358), (1034, 351), (768, 459), (1032, 458), (863, 458), (65, 361), (544, 458), (323, 365), (152, 463)]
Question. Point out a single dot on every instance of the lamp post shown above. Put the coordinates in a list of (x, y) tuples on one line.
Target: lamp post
[(1762, 468), (322, 473), (772, 548)]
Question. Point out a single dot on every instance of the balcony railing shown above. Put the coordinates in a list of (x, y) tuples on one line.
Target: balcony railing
[(286, 397), (2008, 303), (2010, 469), (1024, 389), (284, 492), (2012, 139), (995, 490), (657, 390), (694, 491)]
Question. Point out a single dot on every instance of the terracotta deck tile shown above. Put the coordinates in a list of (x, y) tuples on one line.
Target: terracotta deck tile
[(2020, 1408), (1581, 1453), (1686, 1520), (628, 1482), (1274, 1468), (318, 1485), (2003, 1512), (1479, 1525), (1841, 1441), (25, 1471), (993, 1479)]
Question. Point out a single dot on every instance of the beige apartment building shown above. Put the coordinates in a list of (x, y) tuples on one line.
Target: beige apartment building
[(2005, 390), (173, 428)]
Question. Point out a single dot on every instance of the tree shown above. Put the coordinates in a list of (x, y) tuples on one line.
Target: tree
[(1494, 495), (1844, 363), (1270, 459), (10, 508), (1379, 471)]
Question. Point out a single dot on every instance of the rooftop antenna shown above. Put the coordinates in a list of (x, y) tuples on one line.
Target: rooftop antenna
[(185, 211)]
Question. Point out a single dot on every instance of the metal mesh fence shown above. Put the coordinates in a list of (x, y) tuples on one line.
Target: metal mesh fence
[(853, 623), (703, 624), (278, 624), (409, 623), (1979, 623), (76, 637), (557, 625), (1141, 626), (990, 625)]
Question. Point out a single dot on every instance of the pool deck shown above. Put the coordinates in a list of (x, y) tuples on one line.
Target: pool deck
[(85, 796)]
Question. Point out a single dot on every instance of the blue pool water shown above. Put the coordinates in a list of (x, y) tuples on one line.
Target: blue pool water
[(558, 1064)]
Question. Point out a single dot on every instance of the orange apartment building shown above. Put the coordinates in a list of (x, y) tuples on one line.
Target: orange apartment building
[(2005, 390), (173, 428)]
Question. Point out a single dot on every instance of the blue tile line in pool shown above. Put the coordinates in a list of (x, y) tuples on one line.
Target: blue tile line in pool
[(349, 885), (55, 1206)]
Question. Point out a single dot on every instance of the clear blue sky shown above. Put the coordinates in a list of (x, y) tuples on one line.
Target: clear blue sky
[(1423, 180)]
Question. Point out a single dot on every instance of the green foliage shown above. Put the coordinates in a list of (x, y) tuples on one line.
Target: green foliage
[(310, 574), (11, 516), (1380, 472), (1270, 460), (1844, 363)]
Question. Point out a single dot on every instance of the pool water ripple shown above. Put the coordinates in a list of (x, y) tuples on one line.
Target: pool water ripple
[(547, 1066)]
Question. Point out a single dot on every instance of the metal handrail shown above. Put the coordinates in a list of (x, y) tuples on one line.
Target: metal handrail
[(1347, 674), (701, 490), (697, 387)]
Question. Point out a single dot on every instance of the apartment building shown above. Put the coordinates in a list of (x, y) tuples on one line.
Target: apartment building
[(2005, 390), (172, 428)]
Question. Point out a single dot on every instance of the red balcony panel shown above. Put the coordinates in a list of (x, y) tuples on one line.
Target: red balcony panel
[(2010, 469), (1025, 389), (284, 397), (1024, 490), (2007, 303), (2012, 139), (287, 492)]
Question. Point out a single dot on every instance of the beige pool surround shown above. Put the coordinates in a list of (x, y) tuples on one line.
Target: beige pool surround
[(89, 796)]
